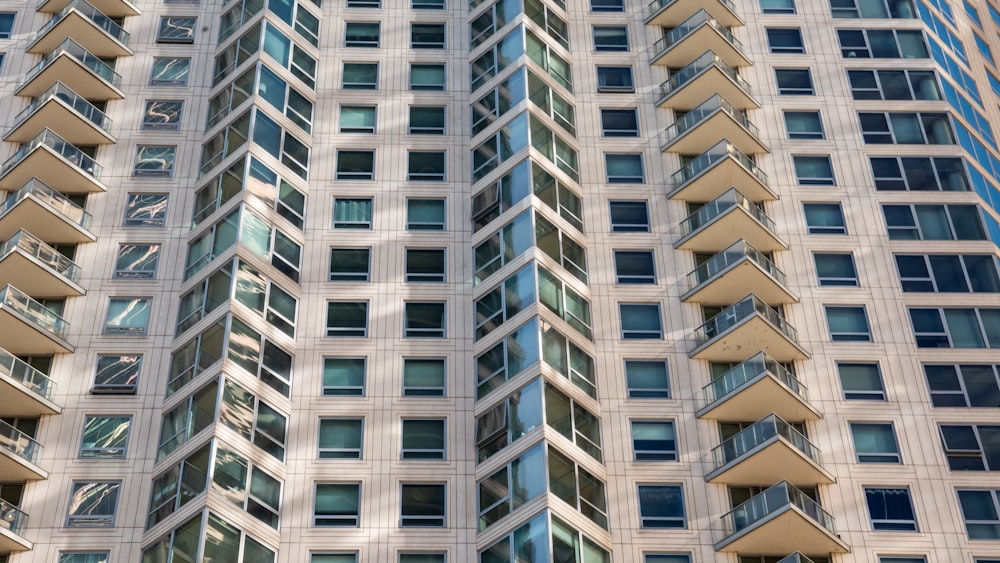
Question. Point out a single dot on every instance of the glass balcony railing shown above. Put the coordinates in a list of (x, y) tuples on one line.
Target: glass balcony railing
[(747, 370), (772, 500), (37, 189), (707, 60), (700, 114), (682, 31), (658, 5), (796, 558), (62, 92), (720, 205), (85, 57), (91, 13), (34, 311), (20, 371), (760, 432), (737, 313), (737, 252), (14, 518), (22, 445), (65, 149), (706, 160), (34, 247)]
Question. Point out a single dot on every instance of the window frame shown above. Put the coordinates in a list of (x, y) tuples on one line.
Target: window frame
[(620, 73), (434, 521), (117, 388), (637, 392), (355, 173), (440, 34), (136, 330), (362, 40), (170, 122), (104, 520), (804, 134), (361, 225), (151, 265), (421, 168), (629, 227), (848, 336), (824, 271), (424, 454), (358, 85), (361, 109), (348, 453), (891, 524), (820, 229), (634, 278), (166, 29), (974, 394), (641, 453), (629, 114), (857, 394), (794, 74), (423, 225), (425, 277), (350, 332), (641, 334), (873, 456), (107, 452), (348, 521), (657, 519), (164, 64), (615, 160), (620, 36), (785, 40), (344, 275), (428, 86), (423, 391), (427, 130), (420, 332), (813, 161), (166, 153)]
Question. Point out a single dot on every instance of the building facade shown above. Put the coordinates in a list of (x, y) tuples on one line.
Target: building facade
[(501, 281)]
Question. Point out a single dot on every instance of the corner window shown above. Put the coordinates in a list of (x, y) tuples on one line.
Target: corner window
[(889, 84), (343, 377), (360, 76), (794, 82), (948, 273), (620, 122), (355, 165), (919, 174), (174, 29), (347, 318), (128, 316), (357, 119), (835, 269), (933, 222), (785, 40), (848, 324), (610, 38), (340, 438), (105, 437), (890, 509), (136, 261), (427, 120), (424, 319), (629, 217), (423, 377), (337, 504), (634, 267), (640, 321), (162, 115), (425, 265), (170, 71), (875, 442), (615, 79), (425, 214), (964, 386), (422, 505), (861, 381), (624, 168), (350, 264), (427, 77), (352, 213), (882, 43), (813, 170), (654, 441), (92, 504), (803, 125), (427, 35), (647, 379), (425, 166), (154, 160), (954, 327), (362, 34), (661, 506), (824, 219), (423, 438)]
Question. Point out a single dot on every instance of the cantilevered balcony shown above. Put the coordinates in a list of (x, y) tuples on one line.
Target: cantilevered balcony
[(29, 329), (690, 38), (110, 8), (779, 520), (12, 523), (93, 30), (754, 388), (708, 74), (702, 127), (728, 275), (54, 161), (49, 214), (728, 217), (26, 261), (27, 392), (669, 13), (75, 67), (64, 111), (744, 328), (713, 172), (765, 451), (796, 558), (18, 454)]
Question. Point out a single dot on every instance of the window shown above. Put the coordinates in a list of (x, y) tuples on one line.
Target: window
[(425, 166), (886, 84), (425, 214), (355, 165), (425, 264), (128, 316), (352, 213), (162, 115), (834, 269), (117, 373), (861, 381), (422, 505), (6, 25), (362, 34), (654, 441), (634, 267), (343, 377), (640, 321), (364, 3), (902, 560), (427, 77), (824, 219), (612, 79), (350, 264), (357, 119), (347, 318), (956, 328), (647, 379), (624, 168), (965, 385), (785, 40), (84, 557), (154, 160), (984, 48), (137, 261), (890, 509), (919, 174), (427, 35), (620, 122), (661, 506), (794, 81), (424, 320), (803, 125), (105, 437), (882, 44), (906, 128), (971, 447), (360, 76), (933, 222), (423, 438), (607, 5), (981, 513), (813, 170), (875, 442), (337, 504), (777, 6), (871, 9), (667, 558), (629, 217), (948, 273), (170, 71), (848, 324), (92, 504), (423, 377), (421, 558), (426, 120), (610, 38), (340, 438), (427, 5), (174, 29), (334, 557)]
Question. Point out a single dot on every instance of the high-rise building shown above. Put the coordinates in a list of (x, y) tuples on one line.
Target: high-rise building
[(499, 281)]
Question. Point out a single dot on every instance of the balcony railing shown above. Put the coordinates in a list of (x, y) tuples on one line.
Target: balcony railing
[(34, 311), (37, 189), (20, 371), (679, 33), (657, 5), (706, 160), (91, 13), (700, 114), (737, 252), (770, 502), (62, 92), (758, 433), (706, 61), (12, 517), (85, 57), (737, 313), (34, 247), (731, 198), (18, 442), (64, 148), (747, 370)]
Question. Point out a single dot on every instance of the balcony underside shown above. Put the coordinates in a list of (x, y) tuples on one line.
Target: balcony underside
[(678, 11), (711, 81), (751, 335), (54, 114), (15, 468), (708, 132), (781, 533), (733, 224), (733, 283), (717, 179), (758, 398), (772, 460), (52, 169), (11, 542), (23, 337), (21, 270), (44, 222), (697, 42), (21, 401), (71, 72), (85, 32), (110, 8)]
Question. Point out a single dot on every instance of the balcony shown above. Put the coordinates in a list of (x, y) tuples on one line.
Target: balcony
[(727, 218), (689, 39), (64, 111), (93, 30), (77, 68), (49, 214), (703, 77), (796, 558), (29, 329), (18, 454), (110, 8), (26, 261), (754, 388), (728, 275), (55, 162), (713, 172), (766, 450), (702, 127), (12, 523), (779, 520), (27, 391), (747, 327), (670, 13)]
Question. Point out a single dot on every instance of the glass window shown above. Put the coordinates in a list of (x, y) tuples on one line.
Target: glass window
[(362, 34), (422, 505), (427, 5), (117, 373), (423, 377), (965, 385), (360, 76), (824, 219), (610, 38), (835, 268), (948, 273), (882, 43), (981, 513), (894, 84), (612, 79), (890, 509), (128, 316), (785, 40), (848, 324), (347, 318), (137, 261), (154, 160), (634, 267), (352, 213), (364, 3), (875, 442), (872, 9), (427, 120), (794, 81), (654, 441), (661, 506), (350, 264), (421, 558), (620, 122), (803, 125), (340, 438), (425, 214), (667, 558), (427, 77), (423, 438), (933, 222), (813, 170), (629, 217), (640, 321), (425, 166), (174, 29), (906, 128), (334, 557), (343, 377), (84, 557), (427, 35), (902, 560), (777, 6), (425, 265), (170, 71), (624, 168), (92, 504), (423, 319), (355, 165), (920, 174), (647, 379), (861, 381), (956, 327), (607, 5), (357, 119), (337, 504), (6, 25), (162, 115), (105, 437), (971, 447)]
